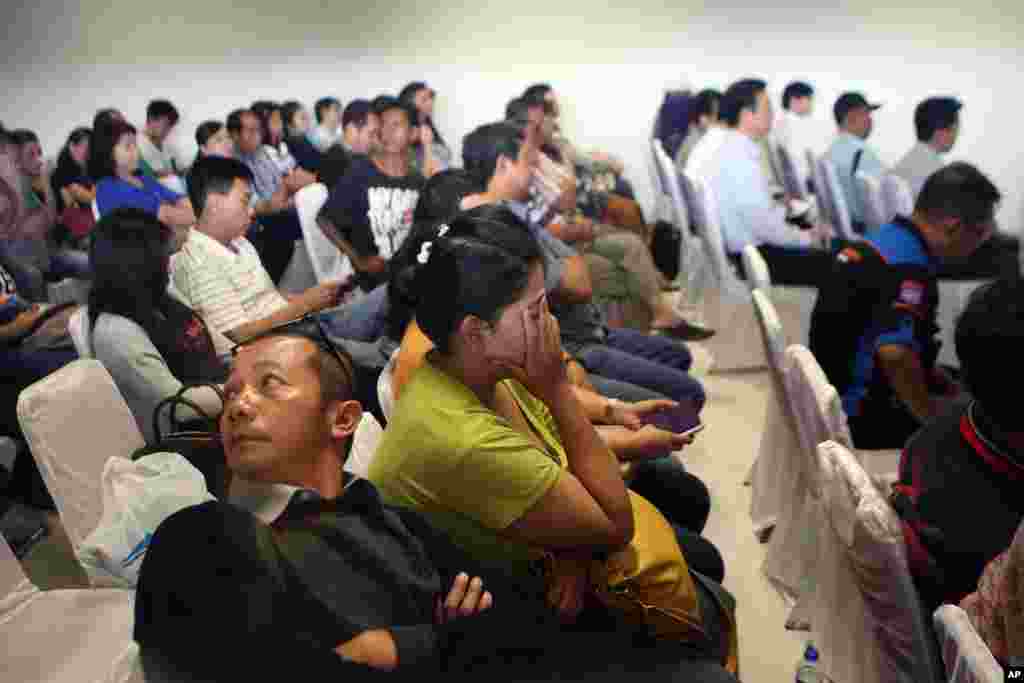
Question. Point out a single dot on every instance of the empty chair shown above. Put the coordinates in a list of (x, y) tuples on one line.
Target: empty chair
[(899, 200), (329, 264), (876, 213), (775, 471), (964, 653), (73, 421), (869, 625), (838, 208), (64, 635)]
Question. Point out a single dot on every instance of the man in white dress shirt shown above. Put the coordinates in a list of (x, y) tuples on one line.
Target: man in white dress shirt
[(793, 128), (937, 122), (789, 242)]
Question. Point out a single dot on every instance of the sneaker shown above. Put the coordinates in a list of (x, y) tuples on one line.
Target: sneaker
[(687, 331)]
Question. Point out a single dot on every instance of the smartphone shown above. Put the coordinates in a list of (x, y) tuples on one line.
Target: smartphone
[(683, 419)]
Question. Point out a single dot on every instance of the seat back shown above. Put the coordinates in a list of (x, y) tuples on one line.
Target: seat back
[(899, 200), (329, 264), (868, 621), (74, 420), (710, 230), (964, 652), (791, 180), (385, 391), (870, 189), (78, 328), (667, 174), (756, 269), (14, 584), (364, 446), (820, 189), (838, 208), (772, 334)]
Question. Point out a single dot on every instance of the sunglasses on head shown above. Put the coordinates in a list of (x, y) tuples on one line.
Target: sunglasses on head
[(309, 327)]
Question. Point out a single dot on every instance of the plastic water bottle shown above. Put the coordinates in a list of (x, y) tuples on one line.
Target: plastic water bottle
[(807, 669)]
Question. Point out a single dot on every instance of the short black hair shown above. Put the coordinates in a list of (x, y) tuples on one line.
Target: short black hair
[(356, 113), (101, 149), (740, 95), (934, 114), (5, 137), (288, 111), (796, 89), (104, 117), (482, 148), (408, 93), (213, 175), (518, 110), (206, 130), (537, 92), (322, 105), (23, 136), (961, 191), (706, 103), (159, 109), (989, 336), (385, 103), (234, 121)]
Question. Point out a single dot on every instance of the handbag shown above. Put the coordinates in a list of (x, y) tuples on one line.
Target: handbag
[(197, 439), (649, 585)]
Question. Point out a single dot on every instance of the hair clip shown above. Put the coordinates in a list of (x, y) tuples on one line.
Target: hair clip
[(443, 230), (424, 253)]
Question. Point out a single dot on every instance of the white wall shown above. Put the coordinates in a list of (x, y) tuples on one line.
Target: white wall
[(62, 61)]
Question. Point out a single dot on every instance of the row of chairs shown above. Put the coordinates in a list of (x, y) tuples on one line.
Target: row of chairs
[(836, 546)]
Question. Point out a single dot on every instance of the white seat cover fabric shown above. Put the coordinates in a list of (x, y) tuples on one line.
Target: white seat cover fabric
[(899, 200), (876, 213), (385, 391), (364, 446), (756, 269), (791, 180), (328, 262), (78, 328), (60, 636), (869, 624), (965, 654), (775, 473), (820, 189), (73, 421), (838, 208)]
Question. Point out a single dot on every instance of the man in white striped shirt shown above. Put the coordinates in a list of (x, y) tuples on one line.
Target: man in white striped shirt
[(218, 272)]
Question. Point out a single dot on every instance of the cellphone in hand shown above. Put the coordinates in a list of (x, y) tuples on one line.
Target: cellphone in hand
[(683, 419)]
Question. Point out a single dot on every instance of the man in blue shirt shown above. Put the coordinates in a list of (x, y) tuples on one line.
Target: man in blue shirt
[(850, 153), (873, 327)]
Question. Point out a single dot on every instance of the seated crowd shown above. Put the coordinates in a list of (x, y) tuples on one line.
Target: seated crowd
[(517, 305)]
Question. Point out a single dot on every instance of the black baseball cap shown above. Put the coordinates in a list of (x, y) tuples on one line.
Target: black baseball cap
[(849, 101)]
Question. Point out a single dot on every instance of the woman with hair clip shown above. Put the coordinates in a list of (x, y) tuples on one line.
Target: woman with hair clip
[(480, 346), (151, 343), (432, 153)]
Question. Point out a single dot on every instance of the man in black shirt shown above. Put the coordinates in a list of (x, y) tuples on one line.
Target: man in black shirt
[(369, 211), (336, 583)]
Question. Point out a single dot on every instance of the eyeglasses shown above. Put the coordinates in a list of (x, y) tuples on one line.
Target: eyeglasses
[(309, 327)]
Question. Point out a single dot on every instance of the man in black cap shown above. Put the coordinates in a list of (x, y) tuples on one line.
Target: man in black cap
[(850, 153)]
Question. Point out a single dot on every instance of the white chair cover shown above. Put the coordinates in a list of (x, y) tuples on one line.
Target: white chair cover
[(820, 189), (659, 183), (364, 446), (965, 654), (776, 469), (691, 259), (899, 200), (385, 391), (791, 180), (876, 213), (73, 421), (68, 290), (328, 262), (78, 328), (756, 269), (838, 207), (869, 624), (64, 636)]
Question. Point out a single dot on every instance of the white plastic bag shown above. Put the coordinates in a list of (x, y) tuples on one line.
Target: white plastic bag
[(137, 496)]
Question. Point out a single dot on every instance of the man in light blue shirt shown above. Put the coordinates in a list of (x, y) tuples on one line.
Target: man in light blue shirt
[(850, 152), (747, 211)]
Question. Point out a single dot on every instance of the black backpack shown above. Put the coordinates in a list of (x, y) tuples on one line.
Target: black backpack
[(665, 246)]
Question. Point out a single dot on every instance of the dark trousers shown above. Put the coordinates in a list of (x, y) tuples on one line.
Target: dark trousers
[(997, 258), (274, 238), (882, 428), (793, 266)]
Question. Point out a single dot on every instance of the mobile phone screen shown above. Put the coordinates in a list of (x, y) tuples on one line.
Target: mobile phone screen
[(679, 420)]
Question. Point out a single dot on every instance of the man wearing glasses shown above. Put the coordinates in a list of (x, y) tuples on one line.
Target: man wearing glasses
[(874, 324), (307, 573)]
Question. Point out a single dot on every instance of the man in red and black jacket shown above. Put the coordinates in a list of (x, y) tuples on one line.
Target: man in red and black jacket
[(961, 477), (874, 324)]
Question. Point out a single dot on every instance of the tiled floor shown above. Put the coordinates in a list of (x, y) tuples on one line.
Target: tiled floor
[(721, 457)]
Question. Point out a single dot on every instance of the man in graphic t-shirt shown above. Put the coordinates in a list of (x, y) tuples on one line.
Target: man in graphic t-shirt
[(369, 211)]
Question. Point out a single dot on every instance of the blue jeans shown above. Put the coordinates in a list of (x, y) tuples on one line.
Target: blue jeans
[(652, 362), (364, 320)]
